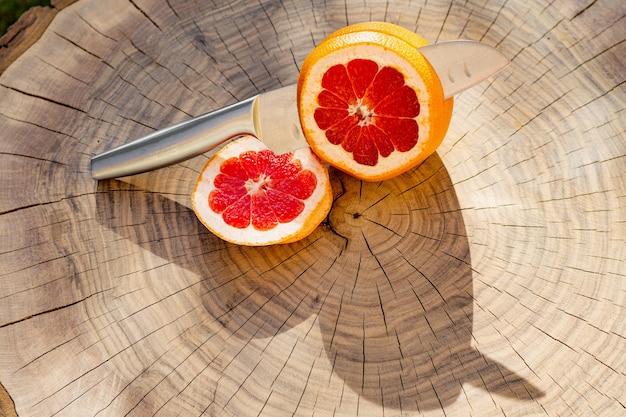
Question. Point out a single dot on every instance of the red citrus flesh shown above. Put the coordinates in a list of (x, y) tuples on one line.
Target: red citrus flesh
[(261, 189), (248, 195), (367, 109)]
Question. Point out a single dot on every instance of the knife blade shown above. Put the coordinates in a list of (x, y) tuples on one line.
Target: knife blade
[(273, 116)]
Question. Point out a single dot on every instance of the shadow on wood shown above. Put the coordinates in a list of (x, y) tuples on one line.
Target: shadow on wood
[(388, 279)]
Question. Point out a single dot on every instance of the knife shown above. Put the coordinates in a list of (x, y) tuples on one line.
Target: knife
[(273, 116)]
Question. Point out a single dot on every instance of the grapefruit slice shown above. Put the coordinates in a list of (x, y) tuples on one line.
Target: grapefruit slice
[(369, 102), (248, 195)]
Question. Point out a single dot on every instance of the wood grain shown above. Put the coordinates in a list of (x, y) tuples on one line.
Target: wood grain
[(488, 281)]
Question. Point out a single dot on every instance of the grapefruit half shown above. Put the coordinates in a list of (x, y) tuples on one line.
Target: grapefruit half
[(369, 102), (248, 195)]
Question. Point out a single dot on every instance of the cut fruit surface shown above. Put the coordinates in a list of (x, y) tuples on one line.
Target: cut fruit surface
[(248, 195), (370, 104)]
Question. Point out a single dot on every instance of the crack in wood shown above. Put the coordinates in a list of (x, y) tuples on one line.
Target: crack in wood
[(48, 311), (46, 99)]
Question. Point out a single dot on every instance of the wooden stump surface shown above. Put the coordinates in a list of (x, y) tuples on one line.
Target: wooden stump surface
[(489, 281)]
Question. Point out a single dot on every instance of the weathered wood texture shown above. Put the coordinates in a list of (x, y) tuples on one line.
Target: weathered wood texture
[(489, 281)]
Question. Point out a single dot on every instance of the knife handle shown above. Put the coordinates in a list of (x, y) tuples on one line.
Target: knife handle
[(176, 143)]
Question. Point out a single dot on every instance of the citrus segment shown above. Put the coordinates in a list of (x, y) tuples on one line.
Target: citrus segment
[(247, 194), (370, 104)]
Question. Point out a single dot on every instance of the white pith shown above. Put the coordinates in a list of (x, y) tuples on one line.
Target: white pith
[(255, 186), (362, 111)]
